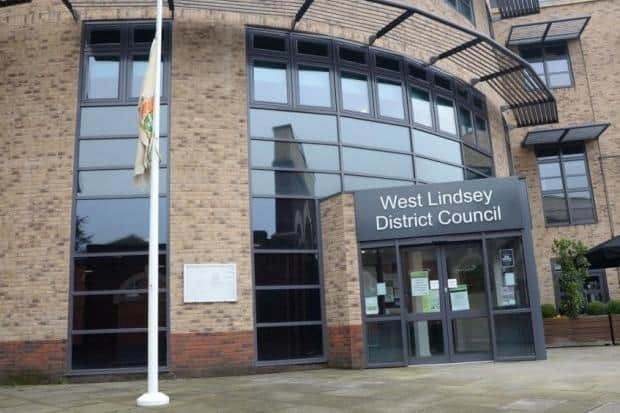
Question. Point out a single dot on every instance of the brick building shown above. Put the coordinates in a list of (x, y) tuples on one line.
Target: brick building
[(272, 116)]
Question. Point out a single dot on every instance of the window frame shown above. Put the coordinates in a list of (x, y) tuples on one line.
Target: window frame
[(543, 59), (458, 6), (601, 274)]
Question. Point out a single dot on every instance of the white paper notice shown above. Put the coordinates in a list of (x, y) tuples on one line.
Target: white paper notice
[(209, 283), (380, 288), (434, 284), (419, 283), (372, 305), (452, 283), (509, 279), (459, 299)]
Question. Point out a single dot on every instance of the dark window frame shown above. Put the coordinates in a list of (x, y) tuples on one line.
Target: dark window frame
[(543, 59), (601, 274), (458, 5)]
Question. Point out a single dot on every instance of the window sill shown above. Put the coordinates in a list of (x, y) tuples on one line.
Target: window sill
[(572, 224)]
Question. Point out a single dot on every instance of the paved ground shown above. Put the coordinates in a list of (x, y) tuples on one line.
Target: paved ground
[(572, 380)]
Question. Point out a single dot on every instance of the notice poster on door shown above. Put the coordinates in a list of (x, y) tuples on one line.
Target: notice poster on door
[(419, 283), (459, 298), (430, 302), (508, 296), (372, 305)]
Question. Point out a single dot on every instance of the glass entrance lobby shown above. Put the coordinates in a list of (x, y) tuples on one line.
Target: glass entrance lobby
[(446, 301)]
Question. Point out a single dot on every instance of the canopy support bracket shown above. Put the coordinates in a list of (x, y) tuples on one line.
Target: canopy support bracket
[(496, 74), (300, 13), (391, 25), (473, 42), (69, 7)]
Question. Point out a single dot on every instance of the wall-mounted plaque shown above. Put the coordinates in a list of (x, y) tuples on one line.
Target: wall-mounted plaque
[(209, 283)]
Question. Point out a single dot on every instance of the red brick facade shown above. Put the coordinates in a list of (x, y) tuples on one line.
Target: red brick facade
[(48, 356), (345, 346)]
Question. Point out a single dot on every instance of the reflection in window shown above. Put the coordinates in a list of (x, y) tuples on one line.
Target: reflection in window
[(478, 161), (379, 135), (128, 272), (115, 182), (431, 171), (507, 273), (437, 147), (471, 335), (294, 155), (102, 79), (356, 183), (445, 115), (295, 183), (138, 69), (113, 153), (551, 63), (354, 92), (381, 282), (270, 83), (390, 99), (284, 223), (482, 134), (421, 106), (292, 126), (283, 269), (513, 335), (466, 126), (314, 86), (384, 341), (377, 163), (110, 121), (425, 338), (299, 305), (289, 342), (125, 310)]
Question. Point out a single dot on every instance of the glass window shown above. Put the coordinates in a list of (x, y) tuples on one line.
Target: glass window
[(102, 78), (417, 72), (116, 182), (294, 183), (314, 86), (275, 306), (445, 115), (284, 223), (116, 350), (551, 63), (443, 82), (356, 183), (465, 265), (594, 286), (286, 269), (375, 134), (128, 310), (425, 338), (377, 163), (421, 263), (390, 99), (352, 55), (389, 63), (105, 36), (384, 341), (421, 107), (312, 48), (466, 126), (291, 342), (381, 282), (113, 153), (115, 121), (471, 335), (114, 225), (138, 69), (513, 335), (275, 43), (482, 134), (270, 83), (145, 35), (478, 161), (507, 273), (292, 126), (434, 146), (120, 272), (431, 171), (464, 7), (354, 92), (294, 155)]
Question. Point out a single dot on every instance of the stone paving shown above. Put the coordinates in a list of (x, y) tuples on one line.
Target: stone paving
[(571, 380)]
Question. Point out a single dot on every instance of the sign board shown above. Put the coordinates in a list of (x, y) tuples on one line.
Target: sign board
[(209, 283), (419, 283), (459, 298), (507, 257), (372, 305), (491, 204)]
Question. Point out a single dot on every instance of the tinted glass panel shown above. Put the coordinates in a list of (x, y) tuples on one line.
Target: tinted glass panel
[(314, 87), (270, 82), (120, 182), (269, 42), (466, 126), (576, 182), (312, 48), (284, 223), (513, 335), (286, 269), (145, 35), (96, 312), (549, 170), (354, 92), (431, 171), (294, 183), (507, 273), (388, 63), (294, 155), (417, 72), (276, 343), (445, 115), (551, 184), (273, 306), (138, 69), (106, 351), (352, 55), (377, 163), (482, 134), (583, 215), (556, 217), (559, 80), (577, 167), (109, 36), (117, 225), (102, 79), (367, 133), (420, 265), (471, 335), (443, 82), (390, 99), (115, 273), (580, 199), (384, 342), (356, 183), (554, 201), (421, 106), (425, 339), (430, 145), (381, 282), (114, 152), (292, 126), (115, 121), (478, 161)]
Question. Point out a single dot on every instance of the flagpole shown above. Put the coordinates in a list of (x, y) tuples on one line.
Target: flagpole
[(153, 397)]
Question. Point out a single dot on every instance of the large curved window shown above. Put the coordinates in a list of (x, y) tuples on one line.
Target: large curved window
[(327, 116)]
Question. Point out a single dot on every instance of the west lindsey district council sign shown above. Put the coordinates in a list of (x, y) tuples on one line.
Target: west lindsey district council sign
[(491, 204)]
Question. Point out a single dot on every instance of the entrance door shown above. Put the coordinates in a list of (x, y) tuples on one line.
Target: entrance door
[(446, 302)]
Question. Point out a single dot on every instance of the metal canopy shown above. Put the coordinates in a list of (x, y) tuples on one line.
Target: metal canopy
[(436, 39), (516, 8), (567, 134), (548, 31)]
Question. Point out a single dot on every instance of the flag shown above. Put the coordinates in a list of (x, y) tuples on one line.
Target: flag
[(146, 105)]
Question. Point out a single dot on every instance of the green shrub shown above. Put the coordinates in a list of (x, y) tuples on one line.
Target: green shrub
[(613, 307), (548, 311), (596, 308), (574, 265)]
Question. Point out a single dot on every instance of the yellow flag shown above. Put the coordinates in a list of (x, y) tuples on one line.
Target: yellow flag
[(146, 104)]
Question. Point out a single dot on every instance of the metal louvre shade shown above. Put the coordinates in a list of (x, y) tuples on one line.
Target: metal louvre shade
[(567, 134), (516, 8), (547, 31), (434, 38), (605, 255)]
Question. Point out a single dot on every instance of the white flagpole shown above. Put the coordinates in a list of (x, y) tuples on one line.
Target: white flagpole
[(153, 397)]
